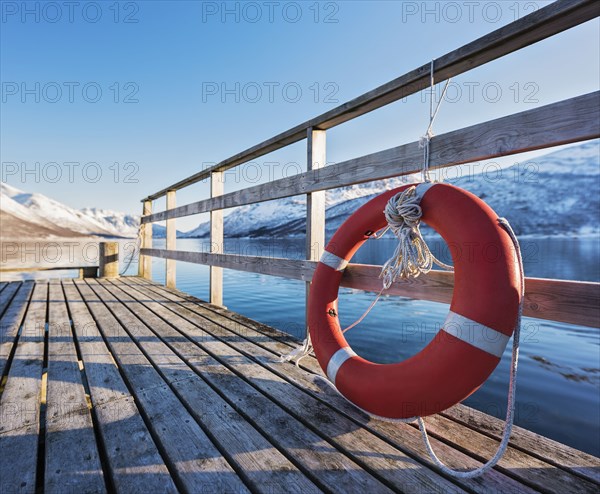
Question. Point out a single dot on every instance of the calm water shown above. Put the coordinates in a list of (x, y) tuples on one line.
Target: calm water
[(559, 373)]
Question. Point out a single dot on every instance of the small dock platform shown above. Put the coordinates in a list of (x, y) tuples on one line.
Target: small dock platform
[(127, 386)]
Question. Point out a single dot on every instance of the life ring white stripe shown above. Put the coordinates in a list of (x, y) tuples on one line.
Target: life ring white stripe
[(333, 261), (478, 335), (336, 361)]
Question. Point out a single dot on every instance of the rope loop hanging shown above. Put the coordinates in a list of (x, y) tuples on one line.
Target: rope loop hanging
[(425, 140), (136, 248)]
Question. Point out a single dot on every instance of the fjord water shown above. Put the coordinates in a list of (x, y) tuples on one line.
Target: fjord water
[(558, 392)]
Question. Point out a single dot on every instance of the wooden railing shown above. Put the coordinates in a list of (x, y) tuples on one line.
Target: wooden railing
[(568, 121), (84, 271)]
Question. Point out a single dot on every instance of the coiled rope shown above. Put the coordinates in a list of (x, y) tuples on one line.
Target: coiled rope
[(412, 256)]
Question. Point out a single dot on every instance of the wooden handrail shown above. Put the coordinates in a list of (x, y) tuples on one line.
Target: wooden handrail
[(544, 23), (567, 121), (84, 271), (573, 302)]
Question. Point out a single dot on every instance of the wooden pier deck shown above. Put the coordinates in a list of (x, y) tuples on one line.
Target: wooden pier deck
[(127, 386)]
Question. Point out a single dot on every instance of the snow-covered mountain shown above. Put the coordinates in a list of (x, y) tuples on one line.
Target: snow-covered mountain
[(48, 212), (17, 221), (554, 194), (113, 221), (36, 215)]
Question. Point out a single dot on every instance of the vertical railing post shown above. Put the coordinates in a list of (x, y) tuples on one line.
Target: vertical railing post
[(145, 262), (170, 272), (315, 202), (216, 240), (108, 262)]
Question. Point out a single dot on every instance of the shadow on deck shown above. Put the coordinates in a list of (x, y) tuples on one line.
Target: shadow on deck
[(128, 386)]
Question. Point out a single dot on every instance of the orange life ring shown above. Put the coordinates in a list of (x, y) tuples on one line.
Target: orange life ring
[(469, 345)]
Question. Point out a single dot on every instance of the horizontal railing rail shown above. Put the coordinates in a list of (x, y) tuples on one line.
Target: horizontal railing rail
[(565, 122), (556, 300), (572, 120), (84, 271), (542, 24)]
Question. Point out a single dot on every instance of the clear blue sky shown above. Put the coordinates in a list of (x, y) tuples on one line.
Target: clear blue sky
[(162, 111)]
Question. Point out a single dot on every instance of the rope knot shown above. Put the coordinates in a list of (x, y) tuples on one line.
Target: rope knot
[(412, 255), (425, 139)]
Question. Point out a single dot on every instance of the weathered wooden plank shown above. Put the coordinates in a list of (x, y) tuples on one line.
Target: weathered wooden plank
[(194, 460), (7, 295), (373, 454), (134, 462), (264, 467), (528, 469), (288, 268), (573, 302), (564, 122), (436, 286), (20, 405), (540, 474), (242, 321), (543, 448), (44, 268), (68, 418), (215, 290), (11, 322), (523, 32), (170, 268), (101, 371)]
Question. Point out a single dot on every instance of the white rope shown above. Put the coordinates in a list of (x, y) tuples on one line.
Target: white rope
[(136, 248), (306, 347), (412, 255), (510, 408), (365, 313), (425, 139), (301, 351)]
